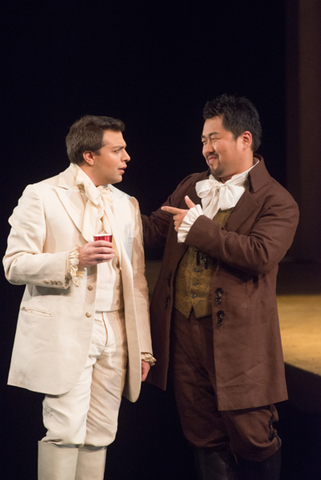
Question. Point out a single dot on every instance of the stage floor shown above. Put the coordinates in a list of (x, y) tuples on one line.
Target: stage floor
[(300, 323)]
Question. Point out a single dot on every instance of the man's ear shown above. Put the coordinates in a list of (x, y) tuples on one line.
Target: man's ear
[(247, 139), (89, 157)]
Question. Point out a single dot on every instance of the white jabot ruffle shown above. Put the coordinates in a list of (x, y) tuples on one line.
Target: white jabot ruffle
[(98, 202), (98, 210)]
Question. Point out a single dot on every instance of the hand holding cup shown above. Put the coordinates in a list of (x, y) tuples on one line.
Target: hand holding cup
[(98, 251)]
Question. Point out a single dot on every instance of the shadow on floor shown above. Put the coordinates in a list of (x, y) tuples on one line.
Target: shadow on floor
[(300, 426)]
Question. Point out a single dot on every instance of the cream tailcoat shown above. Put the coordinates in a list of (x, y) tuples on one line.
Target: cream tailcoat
[(56, 317)]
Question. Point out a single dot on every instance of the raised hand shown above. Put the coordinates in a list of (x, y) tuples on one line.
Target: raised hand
[(179, 213)]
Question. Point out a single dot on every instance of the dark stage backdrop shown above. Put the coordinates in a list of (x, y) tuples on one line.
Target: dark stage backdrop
[(153, 64)]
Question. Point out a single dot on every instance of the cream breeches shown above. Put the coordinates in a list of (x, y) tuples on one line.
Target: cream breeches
[(88, 413)]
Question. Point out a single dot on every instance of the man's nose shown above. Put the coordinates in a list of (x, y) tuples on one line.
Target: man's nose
[(208, 147), (126, 157)]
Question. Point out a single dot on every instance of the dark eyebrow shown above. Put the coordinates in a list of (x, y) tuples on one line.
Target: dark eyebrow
[(114, 146), (210, 134)]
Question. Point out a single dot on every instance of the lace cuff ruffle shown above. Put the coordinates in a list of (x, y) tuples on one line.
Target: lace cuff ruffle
[(73, 273), (148, 357), (188, 221)]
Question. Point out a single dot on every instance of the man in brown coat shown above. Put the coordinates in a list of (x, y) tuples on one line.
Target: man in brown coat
[(214, 313)]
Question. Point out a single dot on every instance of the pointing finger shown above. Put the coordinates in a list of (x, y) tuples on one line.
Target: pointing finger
[(172, 210)]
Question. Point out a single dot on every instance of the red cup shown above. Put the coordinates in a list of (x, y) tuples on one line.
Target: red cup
[(107, 237)]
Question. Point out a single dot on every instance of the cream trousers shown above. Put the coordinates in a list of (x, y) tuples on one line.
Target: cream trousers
[(88, 413)]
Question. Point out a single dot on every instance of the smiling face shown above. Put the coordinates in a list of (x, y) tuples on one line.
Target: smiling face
[(108, 164), (225, 155)]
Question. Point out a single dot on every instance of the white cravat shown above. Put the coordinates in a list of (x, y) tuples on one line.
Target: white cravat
[(217, 195), (98, 213), (98, 202)]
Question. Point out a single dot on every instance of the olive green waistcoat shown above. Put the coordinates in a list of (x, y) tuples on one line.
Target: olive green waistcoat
[(193, 279)]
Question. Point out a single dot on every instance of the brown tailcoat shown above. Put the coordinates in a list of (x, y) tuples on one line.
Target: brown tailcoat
[(247, 346)]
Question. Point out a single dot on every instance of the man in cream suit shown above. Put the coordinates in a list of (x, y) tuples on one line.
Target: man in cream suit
[(83, 335)]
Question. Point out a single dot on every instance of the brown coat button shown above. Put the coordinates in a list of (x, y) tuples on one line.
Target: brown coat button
[(220, 315)]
